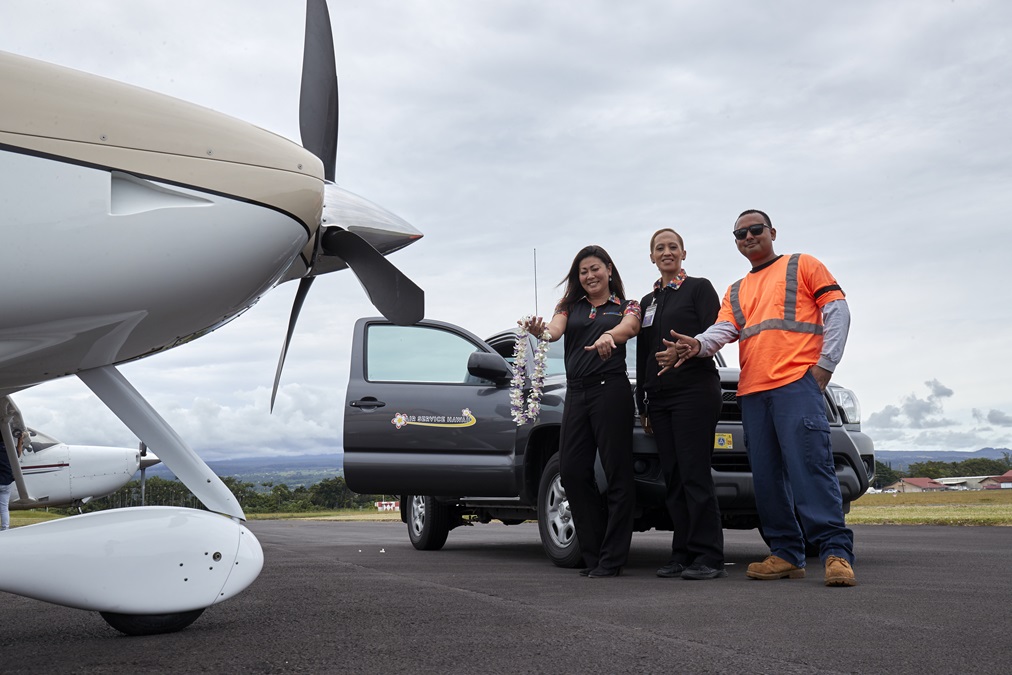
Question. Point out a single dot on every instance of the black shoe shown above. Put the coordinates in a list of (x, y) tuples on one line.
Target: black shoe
[(697, 571), (671, 570), (604, 572), (585, 572)]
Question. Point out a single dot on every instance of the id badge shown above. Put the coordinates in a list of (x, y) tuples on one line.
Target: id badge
[(648, 316)]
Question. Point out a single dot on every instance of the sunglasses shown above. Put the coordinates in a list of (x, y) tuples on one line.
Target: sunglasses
[(755, 230)]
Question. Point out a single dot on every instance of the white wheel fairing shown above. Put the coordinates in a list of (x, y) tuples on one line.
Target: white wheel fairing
[(143, 560)]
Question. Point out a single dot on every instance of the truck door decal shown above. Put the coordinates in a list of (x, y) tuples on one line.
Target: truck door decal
[(465, 419)]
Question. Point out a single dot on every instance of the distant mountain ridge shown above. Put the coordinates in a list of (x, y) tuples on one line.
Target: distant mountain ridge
[(308, 470), (901, 459), (293, 470)]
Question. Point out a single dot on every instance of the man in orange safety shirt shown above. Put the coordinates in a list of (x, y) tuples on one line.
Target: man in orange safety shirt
[(792, 320)]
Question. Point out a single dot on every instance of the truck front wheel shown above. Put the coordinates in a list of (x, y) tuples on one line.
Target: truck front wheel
[(555, 521), (428, 522)]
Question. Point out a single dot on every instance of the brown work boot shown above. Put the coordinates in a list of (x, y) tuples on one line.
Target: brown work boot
[(774, 568), (839, 572)]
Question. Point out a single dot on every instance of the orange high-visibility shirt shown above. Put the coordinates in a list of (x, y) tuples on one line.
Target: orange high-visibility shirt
[(778, 313)]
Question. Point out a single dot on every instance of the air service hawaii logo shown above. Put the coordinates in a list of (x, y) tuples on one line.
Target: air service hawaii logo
[(466, 419)]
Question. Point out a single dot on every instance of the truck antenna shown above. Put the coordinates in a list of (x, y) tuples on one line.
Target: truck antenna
[(535, 282)]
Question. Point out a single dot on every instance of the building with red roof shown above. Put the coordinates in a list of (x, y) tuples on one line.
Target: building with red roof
[(917, 485)]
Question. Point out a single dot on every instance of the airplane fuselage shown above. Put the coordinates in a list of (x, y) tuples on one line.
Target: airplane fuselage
[(134, 222)]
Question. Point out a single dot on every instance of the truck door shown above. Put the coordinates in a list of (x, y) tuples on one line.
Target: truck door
[(417, 422)]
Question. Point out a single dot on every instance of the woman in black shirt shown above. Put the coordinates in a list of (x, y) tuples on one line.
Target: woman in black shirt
[(597, 321), (681, 406)]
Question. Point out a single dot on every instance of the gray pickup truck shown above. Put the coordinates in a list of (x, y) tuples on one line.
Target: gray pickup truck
[(428, 417)]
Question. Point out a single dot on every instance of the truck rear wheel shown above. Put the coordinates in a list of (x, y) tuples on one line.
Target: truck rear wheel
[(555, 520), (428, 522)]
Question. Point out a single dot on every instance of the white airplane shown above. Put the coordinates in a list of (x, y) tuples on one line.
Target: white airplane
[(160, 221), (53, 473)]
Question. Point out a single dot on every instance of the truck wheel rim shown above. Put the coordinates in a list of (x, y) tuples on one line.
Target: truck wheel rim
[(417, 514), (560, 520)]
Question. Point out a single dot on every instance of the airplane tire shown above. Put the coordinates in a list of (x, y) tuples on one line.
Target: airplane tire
[(151, 624)]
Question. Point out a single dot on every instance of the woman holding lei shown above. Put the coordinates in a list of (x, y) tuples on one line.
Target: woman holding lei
[(597, 321)]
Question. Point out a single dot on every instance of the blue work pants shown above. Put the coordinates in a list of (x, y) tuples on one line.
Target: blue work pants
[(788, 440)]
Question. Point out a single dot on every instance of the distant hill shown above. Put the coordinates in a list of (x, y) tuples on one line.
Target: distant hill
[(899, 460), (292, 471)]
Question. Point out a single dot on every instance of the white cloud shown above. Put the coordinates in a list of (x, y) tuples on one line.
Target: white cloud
[(873, 133)]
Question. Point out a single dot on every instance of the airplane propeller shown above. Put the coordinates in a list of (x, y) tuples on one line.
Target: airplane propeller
[(397, 297), (318, 98)]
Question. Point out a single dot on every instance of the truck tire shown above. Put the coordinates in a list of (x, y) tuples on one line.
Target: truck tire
[(428, 522), (555, 521)]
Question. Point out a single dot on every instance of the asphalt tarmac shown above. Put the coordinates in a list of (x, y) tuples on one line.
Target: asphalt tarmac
[(339, 597)]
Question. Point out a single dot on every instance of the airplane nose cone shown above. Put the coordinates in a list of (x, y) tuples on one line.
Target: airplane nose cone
[(149, 459), (386, 231)]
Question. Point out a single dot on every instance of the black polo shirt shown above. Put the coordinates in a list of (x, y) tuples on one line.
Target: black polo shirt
[(584, 325), (690, 309)]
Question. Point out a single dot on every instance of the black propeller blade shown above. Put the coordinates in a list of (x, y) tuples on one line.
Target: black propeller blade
[(300, 297), (397, 297), (318, 100)]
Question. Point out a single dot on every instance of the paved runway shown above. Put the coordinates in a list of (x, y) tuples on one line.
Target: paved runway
[(357, 598)]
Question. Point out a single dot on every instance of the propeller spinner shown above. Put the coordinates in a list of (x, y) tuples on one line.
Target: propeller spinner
[(397, 297)]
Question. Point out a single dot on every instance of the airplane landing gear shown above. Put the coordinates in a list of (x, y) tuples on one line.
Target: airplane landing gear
[(151, 624)]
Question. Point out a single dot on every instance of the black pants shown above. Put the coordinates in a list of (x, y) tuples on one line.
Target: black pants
[(684, 422), (598, 416)]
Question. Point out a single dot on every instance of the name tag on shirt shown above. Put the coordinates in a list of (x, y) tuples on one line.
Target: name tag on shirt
[(648, 316)]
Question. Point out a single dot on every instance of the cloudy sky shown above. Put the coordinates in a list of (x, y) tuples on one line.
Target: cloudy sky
[(877, 136)]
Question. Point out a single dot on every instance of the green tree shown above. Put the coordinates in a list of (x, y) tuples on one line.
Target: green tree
[(885, 475), (981, 466), (932, 469), (331, 493)]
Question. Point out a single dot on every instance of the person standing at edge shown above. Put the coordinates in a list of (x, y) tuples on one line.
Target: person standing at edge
[(599, 413), (6, 479), (681, 409), (792, 321)]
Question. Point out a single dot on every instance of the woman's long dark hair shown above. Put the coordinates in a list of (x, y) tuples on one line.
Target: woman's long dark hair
[(574, 290)]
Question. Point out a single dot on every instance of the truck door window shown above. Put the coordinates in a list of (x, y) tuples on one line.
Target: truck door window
[(416, 354)]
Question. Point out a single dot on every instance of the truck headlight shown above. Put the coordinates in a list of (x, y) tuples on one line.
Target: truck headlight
[(847, 402)]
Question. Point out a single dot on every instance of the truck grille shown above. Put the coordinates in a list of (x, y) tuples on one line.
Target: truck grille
[(729, 411), (731, 462)]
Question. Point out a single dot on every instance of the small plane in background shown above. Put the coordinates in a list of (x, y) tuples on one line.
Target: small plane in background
[(52, 473), (158, 222)]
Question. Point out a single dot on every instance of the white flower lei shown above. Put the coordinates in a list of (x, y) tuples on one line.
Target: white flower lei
[(527, 413)]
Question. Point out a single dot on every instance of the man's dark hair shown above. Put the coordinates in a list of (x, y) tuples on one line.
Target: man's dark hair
[(750, 211)]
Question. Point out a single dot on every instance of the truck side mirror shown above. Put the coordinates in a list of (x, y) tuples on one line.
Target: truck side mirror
[(489, 366)]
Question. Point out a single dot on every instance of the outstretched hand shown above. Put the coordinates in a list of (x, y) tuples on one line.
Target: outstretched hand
[(603, 346), (676, 352), (534, 325)]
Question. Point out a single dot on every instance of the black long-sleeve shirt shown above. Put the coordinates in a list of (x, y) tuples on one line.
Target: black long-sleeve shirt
[(689, 310)]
